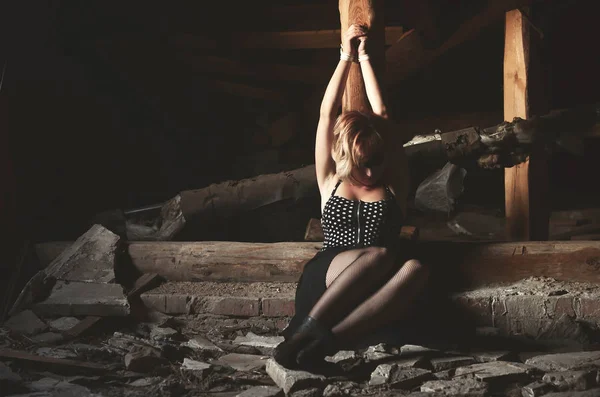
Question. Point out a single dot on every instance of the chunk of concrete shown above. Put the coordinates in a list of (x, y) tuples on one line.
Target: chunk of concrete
[(48, 337), (444, 363), (342, 356), (536, 389), (197, 367), (198, 342), (565, 361), (261, 391), (143, 359), (400, 378), (64, 323), (84, 299), (242, 362), (26, 322), (572, 380), (486, 357), (163, 334), (91, 258), (338, 389), (55, 387), (417, 350), (587, 393), (456, 387), (290, 380), (265, 343), (495, 371)]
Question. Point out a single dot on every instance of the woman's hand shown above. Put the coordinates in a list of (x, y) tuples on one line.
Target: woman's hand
[(349, 41), (362, 41)]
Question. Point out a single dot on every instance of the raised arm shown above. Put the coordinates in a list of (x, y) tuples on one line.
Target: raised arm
[(332, 100), (371, 84)]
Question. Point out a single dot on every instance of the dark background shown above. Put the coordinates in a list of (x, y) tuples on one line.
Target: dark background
[(105, 111)]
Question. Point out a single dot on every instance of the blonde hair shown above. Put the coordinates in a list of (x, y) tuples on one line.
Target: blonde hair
[(355, 138)]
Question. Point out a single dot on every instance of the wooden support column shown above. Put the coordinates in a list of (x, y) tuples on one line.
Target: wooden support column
[(370, 14), (526, 184)]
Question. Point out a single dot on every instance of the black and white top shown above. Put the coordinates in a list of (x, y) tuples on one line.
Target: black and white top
[(356, 223)]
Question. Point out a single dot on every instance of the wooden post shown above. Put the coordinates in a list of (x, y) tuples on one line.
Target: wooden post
[(370, 14), (526, 184)]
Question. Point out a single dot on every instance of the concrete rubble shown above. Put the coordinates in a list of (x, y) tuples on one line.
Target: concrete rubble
[(90, 337)]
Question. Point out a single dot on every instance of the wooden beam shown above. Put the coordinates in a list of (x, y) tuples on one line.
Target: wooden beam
[(525, 184), (475, 264), (468, 264), (303, 39), (368, 13)]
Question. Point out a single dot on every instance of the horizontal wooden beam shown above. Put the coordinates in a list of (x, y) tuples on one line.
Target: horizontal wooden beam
[(465, 264), (303, 39)]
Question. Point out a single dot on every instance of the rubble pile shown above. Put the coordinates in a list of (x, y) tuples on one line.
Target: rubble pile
[(79, 328)]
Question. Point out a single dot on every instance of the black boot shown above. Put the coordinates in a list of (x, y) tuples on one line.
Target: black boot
[(311, 342)]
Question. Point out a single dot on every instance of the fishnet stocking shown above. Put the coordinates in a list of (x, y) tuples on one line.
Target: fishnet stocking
[(356, 275), (386, 305)]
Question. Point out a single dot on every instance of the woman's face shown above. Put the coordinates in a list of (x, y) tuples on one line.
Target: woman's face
[(369, 172)]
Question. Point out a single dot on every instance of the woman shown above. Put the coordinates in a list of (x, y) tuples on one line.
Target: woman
[(358, 282)]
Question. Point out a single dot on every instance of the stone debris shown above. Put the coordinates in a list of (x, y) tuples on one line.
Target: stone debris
[(227, 351), (587, 393), (290, 380), (565, 361), (158, 333), (199, 342), (495, 371), (265, 344), (26, 322), (261, 391), (63, 323), (338, 389), (486, 357), (396, 377), (84, 299), (242, 362), (342, 356), (444, 363), (197, 367), (143, 359), (536, 389), (47, 337), (456, 387), (572, 380)]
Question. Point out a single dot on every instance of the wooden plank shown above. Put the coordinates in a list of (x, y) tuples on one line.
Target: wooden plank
[(54, 364), (368, 13), (304, 39), (466, 264), (524, 183), (144, 283)]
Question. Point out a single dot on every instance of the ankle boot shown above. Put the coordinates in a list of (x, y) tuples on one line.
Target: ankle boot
[(311, 342)]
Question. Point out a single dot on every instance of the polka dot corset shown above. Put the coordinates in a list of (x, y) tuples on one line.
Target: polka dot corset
[(350, 223)]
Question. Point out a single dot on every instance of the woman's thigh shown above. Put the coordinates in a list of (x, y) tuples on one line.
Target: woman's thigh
[(344, 259)]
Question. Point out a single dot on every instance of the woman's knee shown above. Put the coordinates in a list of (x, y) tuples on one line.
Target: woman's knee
[(418, 268), (379, 254)]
